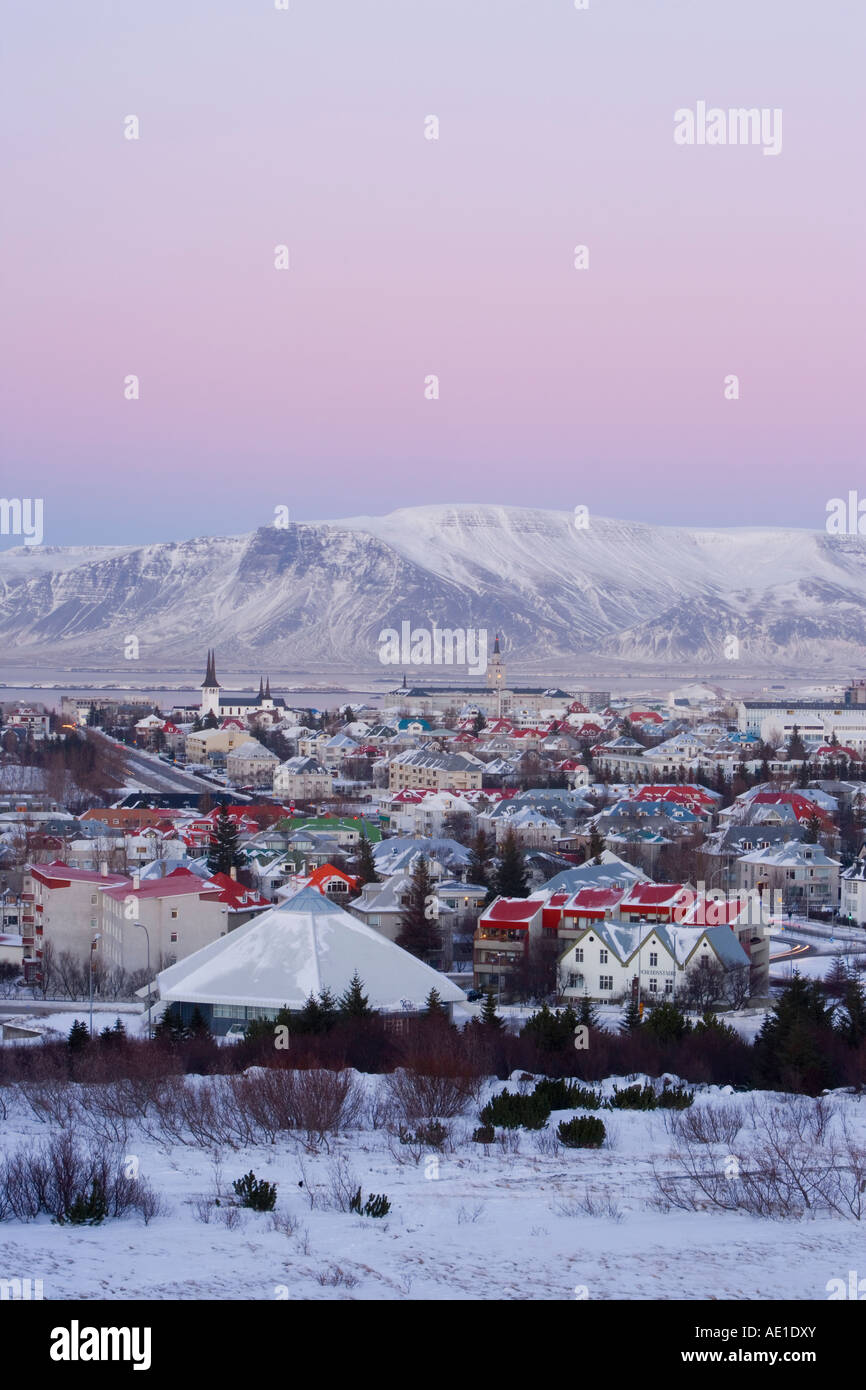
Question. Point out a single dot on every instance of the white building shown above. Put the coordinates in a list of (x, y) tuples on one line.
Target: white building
[(606, 960)]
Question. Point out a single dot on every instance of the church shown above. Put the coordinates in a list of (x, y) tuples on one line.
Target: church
[(224, 704), (494, 698)]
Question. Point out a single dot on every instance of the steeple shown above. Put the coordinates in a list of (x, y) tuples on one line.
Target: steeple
[(496, 646), (210, 681), (261, 689), (268, 688)]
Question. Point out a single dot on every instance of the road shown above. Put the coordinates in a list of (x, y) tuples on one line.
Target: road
[(148, 773)]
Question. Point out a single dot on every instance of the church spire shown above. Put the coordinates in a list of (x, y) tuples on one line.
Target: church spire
[(268, 688), (210, 681), (261, 689), (496, 651)]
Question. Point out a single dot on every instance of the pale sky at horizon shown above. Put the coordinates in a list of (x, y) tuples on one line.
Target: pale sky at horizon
[(411, 256)]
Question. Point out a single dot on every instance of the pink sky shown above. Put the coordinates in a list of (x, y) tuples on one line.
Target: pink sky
[(410, 257)]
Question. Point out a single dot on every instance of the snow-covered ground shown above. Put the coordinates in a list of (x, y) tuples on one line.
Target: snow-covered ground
[(510, 1221)]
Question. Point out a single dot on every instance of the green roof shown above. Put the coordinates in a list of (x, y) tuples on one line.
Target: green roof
[(332, 823)]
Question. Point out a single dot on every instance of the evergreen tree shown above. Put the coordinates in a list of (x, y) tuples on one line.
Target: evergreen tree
[(478, 868), (309, 1019), (196, 724), (511, 878), (489, 1018), (433, 1006), (852, 1021), (198, 1027), (796, 748), (210, 721), (169, 1028), (791, 1050), (78, 1037), (114, 1036), (478, 723), (419, 931), (330, 1009), (354, 1002), (224, 852), (813, 829), (667, 1023), (596, 846), (630, 1021), (586, 1013), (364, 866)]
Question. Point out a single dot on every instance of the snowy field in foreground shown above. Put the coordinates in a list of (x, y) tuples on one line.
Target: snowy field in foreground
[(494, 1224)]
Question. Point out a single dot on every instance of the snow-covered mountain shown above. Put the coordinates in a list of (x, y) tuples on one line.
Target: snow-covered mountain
[(321, 592)]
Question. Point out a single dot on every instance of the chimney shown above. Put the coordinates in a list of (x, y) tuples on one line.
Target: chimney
[(136, 881), (233, 873), (103, 869)]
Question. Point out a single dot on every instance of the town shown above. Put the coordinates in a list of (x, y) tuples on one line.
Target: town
[(527, 844)]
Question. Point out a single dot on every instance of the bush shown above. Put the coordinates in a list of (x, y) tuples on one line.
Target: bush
[(375, 1205), (583, 1132), (85, 1210), (633, 1098), (674, 1098), (431, 1135), (516, 1111), (567, 1095), (255, 1193), (484, 1134)]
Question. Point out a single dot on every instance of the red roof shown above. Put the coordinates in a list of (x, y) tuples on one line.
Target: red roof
[(322, 876), (179, 883), (60, 875), (512, 910), (235, 894), (591, 900), (649, 896)]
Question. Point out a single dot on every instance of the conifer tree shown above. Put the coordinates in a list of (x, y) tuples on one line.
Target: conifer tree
[(631, 1020), (587, 1013), (489, 1018), (364, 866), (792, 1050), (433, 1006), (224, 852), (78, 1036), (419, 931), (478, 868), (852, 1022), (354, 1002), (511, 877), (198, 1026), (596, 846)]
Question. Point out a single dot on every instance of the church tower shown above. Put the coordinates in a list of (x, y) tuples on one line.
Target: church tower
[(496, 668), (210, 689)]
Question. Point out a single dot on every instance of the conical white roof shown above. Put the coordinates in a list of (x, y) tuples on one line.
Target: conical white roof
[(300, 947)]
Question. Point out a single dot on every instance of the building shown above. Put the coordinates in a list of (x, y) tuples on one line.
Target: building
[(610, 961), (300, 947), (181, 912), (303, 779), (219, 702), (439, 771), (774, 718), (208, 745), (63, 906), (251, 764), (805, 875)]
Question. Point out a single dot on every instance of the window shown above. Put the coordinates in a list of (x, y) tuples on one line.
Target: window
[(654, 959), (174, 912), (578, 955), (173, 936), (575, 981), (602, 957), (653, 986), (605, 982)]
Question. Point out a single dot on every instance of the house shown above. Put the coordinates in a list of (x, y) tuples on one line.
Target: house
[(251, 765), (303, 779), (208, 744), (502, 939), (609, 960), (805, 875), (63, 906), (655, 902), (441, 771), (331, 882), (852, 884), (181, 913), (301, 947)]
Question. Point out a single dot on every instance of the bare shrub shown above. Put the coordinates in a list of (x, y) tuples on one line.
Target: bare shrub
[(418, 1096), (335, 1277), (708, 1124), (467, 1216), (342, 1184), (57, 1174), (230, 1217), (284, 1222), (547, 1142), (52, 1100)]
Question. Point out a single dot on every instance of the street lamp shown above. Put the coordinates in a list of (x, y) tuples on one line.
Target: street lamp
[(147, 937), (96, 937)]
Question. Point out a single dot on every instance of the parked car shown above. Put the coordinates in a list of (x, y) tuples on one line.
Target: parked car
[(473, 995)]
